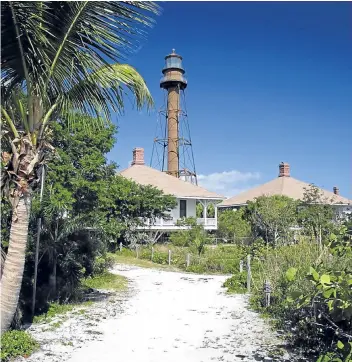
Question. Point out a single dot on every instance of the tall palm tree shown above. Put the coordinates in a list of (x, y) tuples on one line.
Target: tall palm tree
[(58, 58)]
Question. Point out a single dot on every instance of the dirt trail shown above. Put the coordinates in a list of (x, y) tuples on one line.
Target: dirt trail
[(171, 317)]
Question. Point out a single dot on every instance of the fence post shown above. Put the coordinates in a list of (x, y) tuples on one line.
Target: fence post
[(169, 257), (267, 291), (248, 273), (120, 246), (241, 266), (137, 251), (152, 253), (188, 260)]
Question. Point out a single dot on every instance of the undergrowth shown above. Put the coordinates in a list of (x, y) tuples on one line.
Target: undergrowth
[(222, 259), (56, 309), (106, 281), (17, 343)]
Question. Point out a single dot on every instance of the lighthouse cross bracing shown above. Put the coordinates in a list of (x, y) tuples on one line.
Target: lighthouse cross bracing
[(172, 149)]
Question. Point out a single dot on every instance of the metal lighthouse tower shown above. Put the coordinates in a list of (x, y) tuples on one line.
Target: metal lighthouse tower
[(172, 149)]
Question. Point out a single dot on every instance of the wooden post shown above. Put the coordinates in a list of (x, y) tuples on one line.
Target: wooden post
[(241, 266), (169, 257), (267, 291), (248, 273), (137, 250), (120, 247), (188, 260), (152, 253)]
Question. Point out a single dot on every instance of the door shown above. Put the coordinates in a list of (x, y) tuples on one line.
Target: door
[(183, 208)]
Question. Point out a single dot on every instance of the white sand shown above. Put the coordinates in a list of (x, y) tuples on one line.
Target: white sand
[(171, 317)]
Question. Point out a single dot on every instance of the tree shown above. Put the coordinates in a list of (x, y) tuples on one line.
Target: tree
[(316, 214), (57, 60), (232, 225), (82, 190), (271, 217)]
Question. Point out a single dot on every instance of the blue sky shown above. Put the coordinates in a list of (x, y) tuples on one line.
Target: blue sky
[(267, 82)]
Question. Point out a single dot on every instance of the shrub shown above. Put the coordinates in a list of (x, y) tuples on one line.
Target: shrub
[(237, 283), (311, 296), (17, 343), (180, 238), (102, 264), (160, 258)]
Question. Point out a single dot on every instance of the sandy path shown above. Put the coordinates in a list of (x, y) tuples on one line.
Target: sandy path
[(164, 317), (175, 317)]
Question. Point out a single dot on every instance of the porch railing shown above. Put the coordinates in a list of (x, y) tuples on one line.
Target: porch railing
[(173, 222)]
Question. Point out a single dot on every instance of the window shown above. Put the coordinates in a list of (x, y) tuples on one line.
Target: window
[(183, 208)]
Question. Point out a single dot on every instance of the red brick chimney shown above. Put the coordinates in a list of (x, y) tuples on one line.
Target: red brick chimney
[(138, 156), (336, 190), (284, 169)]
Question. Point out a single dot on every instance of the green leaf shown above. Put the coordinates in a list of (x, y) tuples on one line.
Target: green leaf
[(291, 274), (340, 345), (314, 273), (295, 294), (323, 358), (327, 293), (325, 279)]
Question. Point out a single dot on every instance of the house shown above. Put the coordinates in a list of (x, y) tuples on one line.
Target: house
[(286, 185), (187, 195)]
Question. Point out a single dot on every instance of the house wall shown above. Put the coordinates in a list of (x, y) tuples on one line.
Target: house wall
[(343, 211), (191, 209)]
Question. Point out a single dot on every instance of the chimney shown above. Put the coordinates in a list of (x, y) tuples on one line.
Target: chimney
[(336, 190), (284, 169), (138, 156)]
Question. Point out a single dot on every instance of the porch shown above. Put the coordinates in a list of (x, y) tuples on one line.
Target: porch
[(172, 224), (186, 207)]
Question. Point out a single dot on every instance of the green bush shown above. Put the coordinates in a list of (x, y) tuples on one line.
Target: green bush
[(17, 343), (102, 264), (237, 283), (127, 252), (180, 238), (311, 297), (160, 258)]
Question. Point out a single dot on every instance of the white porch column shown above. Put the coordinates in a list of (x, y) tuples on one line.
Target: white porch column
[(205, 205), (216, 213)]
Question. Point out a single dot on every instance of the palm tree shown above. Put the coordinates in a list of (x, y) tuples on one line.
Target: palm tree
[(58, 58)]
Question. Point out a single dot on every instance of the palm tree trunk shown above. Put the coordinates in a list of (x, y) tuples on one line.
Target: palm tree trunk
[(52, 278), (11, 280)]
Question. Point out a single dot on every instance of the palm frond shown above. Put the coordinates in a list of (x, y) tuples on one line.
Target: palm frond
[(104, 89), (57, 35)]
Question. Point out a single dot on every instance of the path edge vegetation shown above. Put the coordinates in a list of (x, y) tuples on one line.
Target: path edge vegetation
[(40, 86)]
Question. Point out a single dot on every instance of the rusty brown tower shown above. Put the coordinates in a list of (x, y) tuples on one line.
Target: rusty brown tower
[(173, 135)]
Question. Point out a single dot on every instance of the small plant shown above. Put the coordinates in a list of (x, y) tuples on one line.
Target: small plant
[(106, 281), (17, 343), (237, 283), (102, 264), (56, 309)]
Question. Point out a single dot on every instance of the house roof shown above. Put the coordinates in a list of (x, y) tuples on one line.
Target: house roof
[(171, 185), (282, 185)]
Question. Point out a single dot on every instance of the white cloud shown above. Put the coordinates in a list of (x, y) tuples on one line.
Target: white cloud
[(228, 183)]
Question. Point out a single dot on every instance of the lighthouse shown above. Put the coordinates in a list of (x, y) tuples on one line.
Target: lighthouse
[(176, 154)]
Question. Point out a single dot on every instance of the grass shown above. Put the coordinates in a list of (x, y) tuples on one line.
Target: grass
[(143, 263), (56, 309), (222, 259), (106, 281), (103, 281)]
